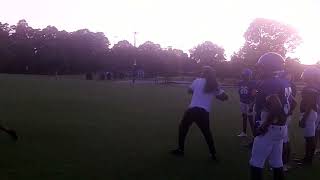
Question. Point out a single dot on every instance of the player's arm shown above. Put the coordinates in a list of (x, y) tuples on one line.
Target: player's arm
[(274, 107), (221, 95), (253, 94), (191, 87)]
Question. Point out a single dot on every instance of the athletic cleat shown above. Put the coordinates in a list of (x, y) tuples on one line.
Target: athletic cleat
[(214, 158), (286, 168), (303, 162), (177, 152), (242, 135)]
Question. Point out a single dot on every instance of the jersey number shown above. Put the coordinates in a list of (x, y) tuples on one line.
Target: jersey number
[(244, 90)]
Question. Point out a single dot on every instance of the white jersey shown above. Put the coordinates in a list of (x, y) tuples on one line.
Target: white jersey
[(199, 97)]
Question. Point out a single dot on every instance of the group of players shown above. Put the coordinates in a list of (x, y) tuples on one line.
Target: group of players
[(272, 101), (267, 103)]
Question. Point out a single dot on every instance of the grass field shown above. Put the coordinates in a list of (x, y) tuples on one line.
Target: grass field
[(76, 129)]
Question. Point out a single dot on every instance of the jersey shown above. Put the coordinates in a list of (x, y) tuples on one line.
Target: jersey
[(274, 86), (200, 98), (245, 91)]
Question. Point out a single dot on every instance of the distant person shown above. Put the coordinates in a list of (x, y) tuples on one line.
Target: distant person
[(247, 92), (203, 90), (272, 101), (109, 76), (56, 74), (288, 78), (308, 109)]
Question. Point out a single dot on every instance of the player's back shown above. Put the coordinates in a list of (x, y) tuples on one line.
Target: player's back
[(199, 97)]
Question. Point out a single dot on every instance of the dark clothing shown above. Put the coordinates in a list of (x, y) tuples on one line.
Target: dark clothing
[(309, 99), (201, 117), (273, 86), (245, 91)]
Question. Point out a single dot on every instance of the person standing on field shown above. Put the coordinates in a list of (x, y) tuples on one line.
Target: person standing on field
[(288, 78), (309, 114), (247, 91), (203, 90), (273, 101)]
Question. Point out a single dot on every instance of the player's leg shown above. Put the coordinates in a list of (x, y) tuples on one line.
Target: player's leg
[(317, 136), (309, 150), (309, 134), (203, 123), (317, 151), (275, 160), (286, 155), (184, 127), (256, 123), (261, 150), (256, 173), (286, 147), (244, 110), (251, 122), (244, 123)]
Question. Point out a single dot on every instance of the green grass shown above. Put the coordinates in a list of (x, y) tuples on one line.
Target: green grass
[(76, 129)]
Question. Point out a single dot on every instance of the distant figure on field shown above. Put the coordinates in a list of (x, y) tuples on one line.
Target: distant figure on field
[(247, 92)]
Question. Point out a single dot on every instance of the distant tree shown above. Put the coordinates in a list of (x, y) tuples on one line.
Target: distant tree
[(264, 35), (5, 54), (207, 53), (174, 61), (150, 57), (22, 46), (123, 56)]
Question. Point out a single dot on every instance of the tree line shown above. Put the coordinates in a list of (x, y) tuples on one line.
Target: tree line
[(24, 49)]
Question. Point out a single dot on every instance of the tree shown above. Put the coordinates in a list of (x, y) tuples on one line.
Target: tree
[(264, 35), (122, 56), (150, 57), (22, 46), (5, 54), (207, 53)]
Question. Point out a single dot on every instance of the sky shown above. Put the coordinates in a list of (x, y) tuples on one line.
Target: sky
[(178, 23)]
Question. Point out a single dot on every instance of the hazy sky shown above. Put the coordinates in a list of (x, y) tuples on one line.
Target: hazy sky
[(178, 23)]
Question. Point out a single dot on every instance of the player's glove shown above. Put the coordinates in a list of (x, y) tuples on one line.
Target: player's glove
[(262, 130), (222, 97)]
